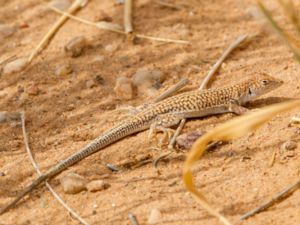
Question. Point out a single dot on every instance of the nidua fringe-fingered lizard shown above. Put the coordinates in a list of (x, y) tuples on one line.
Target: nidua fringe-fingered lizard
[(165, 114)]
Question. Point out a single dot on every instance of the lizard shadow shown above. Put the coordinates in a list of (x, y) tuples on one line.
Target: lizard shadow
[(259, 103)]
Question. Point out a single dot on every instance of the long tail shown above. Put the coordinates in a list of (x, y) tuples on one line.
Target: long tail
[(99, 143)]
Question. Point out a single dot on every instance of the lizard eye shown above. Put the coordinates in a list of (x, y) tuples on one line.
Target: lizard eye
[(265, 82)]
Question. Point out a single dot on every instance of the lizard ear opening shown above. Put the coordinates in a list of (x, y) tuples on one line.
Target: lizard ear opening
[(265, 82)]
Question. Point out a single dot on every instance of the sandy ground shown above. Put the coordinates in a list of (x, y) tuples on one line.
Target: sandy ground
[(67, 114)]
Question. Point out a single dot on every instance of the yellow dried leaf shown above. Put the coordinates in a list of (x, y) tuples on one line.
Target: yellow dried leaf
[(228, 131)]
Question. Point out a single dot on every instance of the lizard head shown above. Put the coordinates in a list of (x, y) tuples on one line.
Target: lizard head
[(260, 85)]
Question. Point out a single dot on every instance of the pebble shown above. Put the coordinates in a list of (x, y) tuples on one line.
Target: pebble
[(110, 48), (75, 46), (73, 183), (98, 59), (155, 216), (15, 66), (33, 89), (23, 25), (6, 30), (148, 81), (90, 83), (3, 116), (181, 30), (100, 80), (63, 70), (123, 88), (289, 145), (60, 4), (145, 76), (97, 185), (103, 16), (186, 140)]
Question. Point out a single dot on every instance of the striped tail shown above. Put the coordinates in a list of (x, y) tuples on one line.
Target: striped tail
[(97, 144)]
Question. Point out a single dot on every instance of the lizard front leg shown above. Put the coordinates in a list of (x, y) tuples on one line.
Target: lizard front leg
[(162, 123), (236, 108)]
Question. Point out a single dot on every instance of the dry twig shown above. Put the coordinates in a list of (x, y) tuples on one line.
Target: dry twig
[(278, 197), (225, 54), (132, 219), (74, 7), (169, 5), (128, 16), (289, 40), (171, 90), (71, 211), (118, 31)]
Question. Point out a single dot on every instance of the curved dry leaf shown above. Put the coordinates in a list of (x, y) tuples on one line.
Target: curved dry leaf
[(227, 131)]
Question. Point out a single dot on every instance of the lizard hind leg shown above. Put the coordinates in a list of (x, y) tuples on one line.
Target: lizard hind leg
[(163, 123)]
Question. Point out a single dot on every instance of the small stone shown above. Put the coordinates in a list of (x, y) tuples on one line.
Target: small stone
[(155, 216), (97, 185), (98, 59), (289, 145), (75, 46), (181, 30), (100, 80), (15, 66), (148, 81), (186, 140), (90, 84), (3, 116), (20, 89), (6, 31), (73, 183), (245, 158), (63, 70), (110, 48), (103, 16), (33, 89), (23, 25), (123, 88), (60, 4), (143, 76)]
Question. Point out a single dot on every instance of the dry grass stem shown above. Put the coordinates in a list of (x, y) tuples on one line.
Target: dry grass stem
[(132, 219), (170, 91), (128, 16), (119, 31), (290, 41), (8, 59), (278, 197), (230, 130), (225, 54), (34, 164), (273, 157), (169, 5), (77, 4), (291, 12)]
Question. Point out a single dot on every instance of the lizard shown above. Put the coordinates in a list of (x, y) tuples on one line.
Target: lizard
[(165, 114)]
